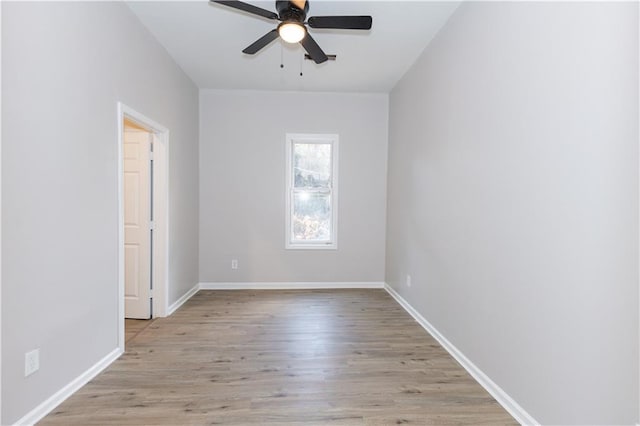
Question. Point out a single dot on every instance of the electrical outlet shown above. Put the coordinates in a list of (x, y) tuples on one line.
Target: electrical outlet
[(31, 362), (234, 263), (408, 280)]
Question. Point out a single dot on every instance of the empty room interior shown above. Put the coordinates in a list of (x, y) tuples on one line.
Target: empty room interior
[(320, 212)]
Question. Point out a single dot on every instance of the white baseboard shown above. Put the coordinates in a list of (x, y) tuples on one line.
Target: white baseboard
[(289, 285), (188, 295), (58, 398), (512, 407)]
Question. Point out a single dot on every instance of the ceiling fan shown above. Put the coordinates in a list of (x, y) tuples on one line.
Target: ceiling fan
[(293, 28)]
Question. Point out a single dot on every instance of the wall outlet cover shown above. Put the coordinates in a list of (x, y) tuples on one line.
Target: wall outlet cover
[(31, 362)]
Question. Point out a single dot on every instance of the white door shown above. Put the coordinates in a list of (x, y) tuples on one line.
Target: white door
[(137, 224)]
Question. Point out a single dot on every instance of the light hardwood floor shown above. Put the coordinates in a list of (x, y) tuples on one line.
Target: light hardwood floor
[(312, 357)]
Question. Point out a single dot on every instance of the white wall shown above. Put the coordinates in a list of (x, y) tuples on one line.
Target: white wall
[(513, 201), (242, 185), (65, 66)]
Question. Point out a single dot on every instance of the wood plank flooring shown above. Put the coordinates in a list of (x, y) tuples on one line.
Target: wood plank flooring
[(299, 357), (134, 326)]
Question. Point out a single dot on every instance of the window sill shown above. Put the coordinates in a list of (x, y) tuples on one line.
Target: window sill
[(290, 246)]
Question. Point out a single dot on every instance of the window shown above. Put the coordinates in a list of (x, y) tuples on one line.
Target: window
[(312, 191)]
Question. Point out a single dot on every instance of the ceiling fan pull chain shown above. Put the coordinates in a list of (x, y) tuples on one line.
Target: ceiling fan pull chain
[(281, 56), (301, 64)]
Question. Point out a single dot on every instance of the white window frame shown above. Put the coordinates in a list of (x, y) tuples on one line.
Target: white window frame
[(307, 138)]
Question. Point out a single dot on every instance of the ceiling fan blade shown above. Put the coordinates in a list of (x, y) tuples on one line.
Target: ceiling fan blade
[(246, 7), (313, 49), (341, 22), (261, 42)]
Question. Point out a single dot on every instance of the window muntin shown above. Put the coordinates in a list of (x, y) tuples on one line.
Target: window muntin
[(311, 186)]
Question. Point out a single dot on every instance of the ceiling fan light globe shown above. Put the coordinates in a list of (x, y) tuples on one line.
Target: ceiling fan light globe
[(291, 32)]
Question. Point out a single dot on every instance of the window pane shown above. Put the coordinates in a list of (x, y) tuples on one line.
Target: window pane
[(311, 216), (311, 165)]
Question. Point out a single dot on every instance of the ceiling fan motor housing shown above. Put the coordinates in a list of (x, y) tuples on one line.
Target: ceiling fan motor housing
[(287, 11)]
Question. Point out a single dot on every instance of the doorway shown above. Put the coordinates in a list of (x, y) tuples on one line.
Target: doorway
[(142, 224)]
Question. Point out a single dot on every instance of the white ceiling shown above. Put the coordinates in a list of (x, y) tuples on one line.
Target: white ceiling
[(207, 40)]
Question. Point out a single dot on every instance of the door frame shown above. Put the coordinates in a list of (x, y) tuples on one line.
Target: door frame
[(0, 224), (160, 206)]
